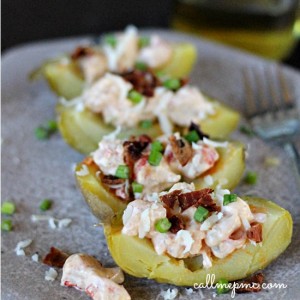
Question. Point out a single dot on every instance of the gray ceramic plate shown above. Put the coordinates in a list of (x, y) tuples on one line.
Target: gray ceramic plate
[(33, 170)]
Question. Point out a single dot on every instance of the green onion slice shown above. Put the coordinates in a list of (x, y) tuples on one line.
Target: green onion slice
[(8, 208), (251, 177), (134, 96), (137, 187), (201, 214), (45, 204), (122, 172), (163, 225), (6, 225), (172, 84), (229, 198), (222, 286), (192, 136)]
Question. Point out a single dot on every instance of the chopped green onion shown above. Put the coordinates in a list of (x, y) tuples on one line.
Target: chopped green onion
[(154, 158), (135, 96), (6, 225), (122, 172), (228, 198), (157, 146), (137, 188), (172, 84), (163, 225), (201, 214), (44, 131), (192, 136), (8, 208), (51, 125), (144, 41), (45, 204), (251, 177), (222, 286), (247, 130), (110, 40), (146, 124), (141, 66), (41, 133)]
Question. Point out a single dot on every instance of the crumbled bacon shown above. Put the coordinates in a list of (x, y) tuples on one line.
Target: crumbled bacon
[(197, 198), (182, 150), (237, 234), (133, 150), (143, 81), (170, 199), (111, 180), (253, 284), (81, 52), (177, 224), (187, 200), (255, 232), (55, 258), (196, 127)]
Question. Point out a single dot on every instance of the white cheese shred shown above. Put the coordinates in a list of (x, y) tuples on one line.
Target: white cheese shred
[(51, 274), (21, 245), (169, 294), (84, 171)]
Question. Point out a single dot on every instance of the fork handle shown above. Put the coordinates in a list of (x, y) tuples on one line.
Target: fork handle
[(293, 153)]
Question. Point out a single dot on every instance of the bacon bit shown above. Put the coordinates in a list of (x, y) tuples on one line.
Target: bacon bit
[(81, 52), (184, 81), (143, 82), (88, 161), (182, 150), (177, 224), (144, 138), (251, 285), (256, 209), (255, 232), (69, 284), (111, 180), (55, 258), (133, 150), (198, 198), (170, 199), (196, 127), (237, 235)]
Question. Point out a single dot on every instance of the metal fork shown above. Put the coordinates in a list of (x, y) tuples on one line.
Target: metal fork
[(271, 109)]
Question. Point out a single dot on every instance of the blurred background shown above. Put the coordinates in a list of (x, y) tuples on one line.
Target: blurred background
[(269, 28)]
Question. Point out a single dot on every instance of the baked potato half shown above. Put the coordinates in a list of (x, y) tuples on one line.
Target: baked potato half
[(83, 130), (137, 256), (65, 78)]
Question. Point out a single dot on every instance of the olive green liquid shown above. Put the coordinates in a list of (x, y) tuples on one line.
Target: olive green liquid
[(264, 27)]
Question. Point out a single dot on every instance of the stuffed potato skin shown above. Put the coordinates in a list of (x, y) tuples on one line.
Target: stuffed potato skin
[(66, 80), (137, 257), (105, 205), (83, 130)]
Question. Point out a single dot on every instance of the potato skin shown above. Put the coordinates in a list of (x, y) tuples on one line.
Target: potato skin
[(65, 79), (138, 258), (105, 205)]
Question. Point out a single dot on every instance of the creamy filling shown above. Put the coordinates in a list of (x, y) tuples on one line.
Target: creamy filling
[(108, 97), (154, 179), (212, 237)]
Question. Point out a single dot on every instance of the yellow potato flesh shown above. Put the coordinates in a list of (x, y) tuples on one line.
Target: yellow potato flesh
[(98, 196), (229, 168), (66, 80), (138, 257)]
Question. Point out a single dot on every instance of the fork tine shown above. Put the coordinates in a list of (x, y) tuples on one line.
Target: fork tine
[(250, 97), (286, 96), (262, 90)]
